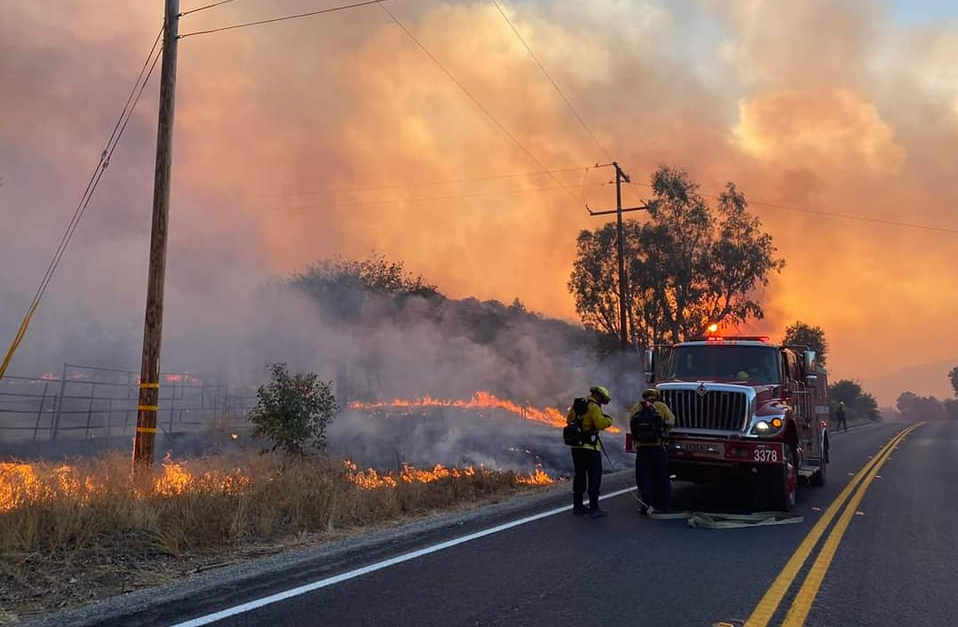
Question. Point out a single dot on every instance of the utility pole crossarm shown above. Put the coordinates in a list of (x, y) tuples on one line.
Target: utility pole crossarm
[(611, 211)]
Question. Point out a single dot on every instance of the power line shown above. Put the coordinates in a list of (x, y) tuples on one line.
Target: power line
[(135, 93), (204, 7), (834, 214), (424, 184), (431, 198), (551, 80), (476, 101), (558, 90), (285, 17), (847, 216)]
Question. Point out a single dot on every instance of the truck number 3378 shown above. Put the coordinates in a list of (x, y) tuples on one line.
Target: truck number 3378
[(766, 455)]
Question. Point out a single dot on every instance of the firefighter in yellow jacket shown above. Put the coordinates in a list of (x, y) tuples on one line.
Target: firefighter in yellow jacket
[(587, 457), (651, 455)]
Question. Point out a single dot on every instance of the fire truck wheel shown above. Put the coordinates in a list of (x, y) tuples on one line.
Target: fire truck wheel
[(782, 482), (818, 479)]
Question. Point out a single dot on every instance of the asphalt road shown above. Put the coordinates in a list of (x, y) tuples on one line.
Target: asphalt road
[(893, 560)]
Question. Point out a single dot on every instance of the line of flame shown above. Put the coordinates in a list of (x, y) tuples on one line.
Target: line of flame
[(480, 400), (370, 478), (21, 484)]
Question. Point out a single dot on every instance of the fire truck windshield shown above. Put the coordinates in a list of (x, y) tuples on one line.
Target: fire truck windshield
[(752, 364)]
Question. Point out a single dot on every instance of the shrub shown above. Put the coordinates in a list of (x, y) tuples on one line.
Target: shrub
[(293, 411)]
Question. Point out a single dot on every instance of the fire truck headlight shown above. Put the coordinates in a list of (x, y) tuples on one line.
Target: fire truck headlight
[(767, 427)]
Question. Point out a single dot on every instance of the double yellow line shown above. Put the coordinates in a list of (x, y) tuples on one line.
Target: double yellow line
[(802, 604)]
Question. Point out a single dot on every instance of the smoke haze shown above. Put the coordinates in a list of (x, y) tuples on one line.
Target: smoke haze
[(834, 106)]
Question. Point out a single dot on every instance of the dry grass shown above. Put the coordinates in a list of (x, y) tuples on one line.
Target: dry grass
[(92, 528)]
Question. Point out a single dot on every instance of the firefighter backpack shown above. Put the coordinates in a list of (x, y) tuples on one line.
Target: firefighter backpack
[(647, 424), (573, 433)]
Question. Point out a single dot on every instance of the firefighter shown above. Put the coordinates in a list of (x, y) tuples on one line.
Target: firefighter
[(840, 414), (652, 459), (587, 457)]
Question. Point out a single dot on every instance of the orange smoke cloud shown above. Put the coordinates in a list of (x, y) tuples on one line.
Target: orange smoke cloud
[(828, 105)]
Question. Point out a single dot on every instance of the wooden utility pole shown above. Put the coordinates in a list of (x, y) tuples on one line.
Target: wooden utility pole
[(620, 239), (624, 300), (149, 391)]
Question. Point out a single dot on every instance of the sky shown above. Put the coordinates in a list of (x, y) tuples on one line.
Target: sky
[(923, 11), (303, 139)]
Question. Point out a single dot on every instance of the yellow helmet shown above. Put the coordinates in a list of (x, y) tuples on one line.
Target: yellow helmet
[(650, 393), (601, 394)]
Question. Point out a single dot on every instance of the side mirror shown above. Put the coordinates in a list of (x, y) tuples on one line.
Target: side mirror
[(648, 364), (810, 365)]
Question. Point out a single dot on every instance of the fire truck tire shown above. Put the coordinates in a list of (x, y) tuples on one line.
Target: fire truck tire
[(818, 479), (782, 482)]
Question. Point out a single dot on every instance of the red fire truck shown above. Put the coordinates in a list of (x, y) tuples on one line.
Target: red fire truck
[(745, 407)]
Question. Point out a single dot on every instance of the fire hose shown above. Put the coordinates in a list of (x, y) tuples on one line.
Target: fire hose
[(714, 520)]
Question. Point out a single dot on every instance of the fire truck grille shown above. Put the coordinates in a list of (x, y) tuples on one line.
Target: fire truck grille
[(726, 411)]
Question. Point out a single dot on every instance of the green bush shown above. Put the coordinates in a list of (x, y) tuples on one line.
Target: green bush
[(293, 411)]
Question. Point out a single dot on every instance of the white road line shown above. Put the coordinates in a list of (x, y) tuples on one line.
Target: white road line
[(405, 557)]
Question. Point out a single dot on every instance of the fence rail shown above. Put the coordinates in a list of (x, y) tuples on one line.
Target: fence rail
[(90, 402)]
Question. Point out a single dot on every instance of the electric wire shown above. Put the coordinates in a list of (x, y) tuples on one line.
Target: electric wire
[(492, 177), (285, 18), (835, 214), (555, 85), (482, 108), (429, 198), (132, 100), (205, 7), (847, 216)]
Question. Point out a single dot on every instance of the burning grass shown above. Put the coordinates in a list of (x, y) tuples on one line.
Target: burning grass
[(211, 502), (96, 518), (480, 400)]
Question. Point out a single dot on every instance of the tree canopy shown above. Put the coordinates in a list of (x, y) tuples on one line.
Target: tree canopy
[(343, 284), (953, 376), (689, 265), (801, 333), (914, 407), (856, 400)]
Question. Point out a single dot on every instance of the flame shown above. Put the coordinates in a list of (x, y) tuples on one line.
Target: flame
[(174, 480), (23, 484), (370, 478), (480, 400), (16, 480), (539, 477)]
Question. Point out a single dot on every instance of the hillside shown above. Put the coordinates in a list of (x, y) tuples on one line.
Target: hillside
[(929, 379)]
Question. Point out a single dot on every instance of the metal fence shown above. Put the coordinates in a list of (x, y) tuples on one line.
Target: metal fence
[(90, 402)]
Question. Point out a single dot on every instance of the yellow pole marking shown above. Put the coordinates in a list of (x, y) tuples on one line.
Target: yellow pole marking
[(151, 386), (146, 429), (148, 407), (770, 601), (802, 604)]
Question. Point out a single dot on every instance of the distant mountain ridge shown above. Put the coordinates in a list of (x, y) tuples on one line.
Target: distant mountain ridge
[(929, 379)]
